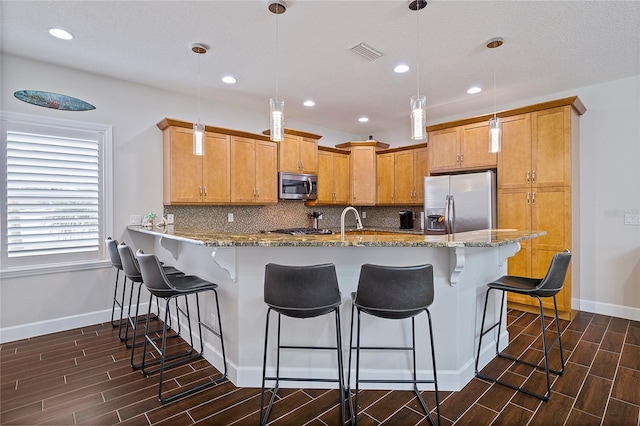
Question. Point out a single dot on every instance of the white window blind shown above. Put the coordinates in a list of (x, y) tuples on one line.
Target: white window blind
[(53, 211), (53, 194)]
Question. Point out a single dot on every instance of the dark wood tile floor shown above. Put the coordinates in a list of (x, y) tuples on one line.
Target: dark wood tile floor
[(83, 376)]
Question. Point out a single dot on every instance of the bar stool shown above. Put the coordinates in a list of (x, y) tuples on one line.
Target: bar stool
[(393, 292), (132, 271), (548, 286), (114, 256), (170, 287), (301, 292)]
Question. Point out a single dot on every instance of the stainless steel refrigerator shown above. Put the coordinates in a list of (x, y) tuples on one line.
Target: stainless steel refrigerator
[(459, 203)]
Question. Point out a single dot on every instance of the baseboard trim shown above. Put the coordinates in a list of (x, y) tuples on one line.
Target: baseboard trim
[(25, 331), (626, 312)]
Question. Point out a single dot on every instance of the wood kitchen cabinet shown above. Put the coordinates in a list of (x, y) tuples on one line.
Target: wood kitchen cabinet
[(297, 152), (333, 176), (464, 147), (534, 176), (400, 175), (194, 179), (254, 172), (534, 192), (363, 170)]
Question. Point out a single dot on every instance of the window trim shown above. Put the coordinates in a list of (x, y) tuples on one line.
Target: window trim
[(106, 167)]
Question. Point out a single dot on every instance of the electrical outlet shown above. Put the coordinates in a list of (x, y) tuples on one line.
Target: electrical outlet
[(230, 217), (135, 219), (632, 219), (364, 215), (170, 219)]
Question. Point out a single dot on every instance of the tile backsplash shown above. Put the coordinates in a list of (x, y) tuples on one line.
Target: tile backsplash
[(285, 214)]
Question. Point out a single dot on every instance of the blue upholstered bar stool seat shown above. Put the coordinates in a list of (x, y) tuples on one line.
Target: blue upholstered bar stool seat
[(538, 288), (395, 293), (301, 292), (169, 287)]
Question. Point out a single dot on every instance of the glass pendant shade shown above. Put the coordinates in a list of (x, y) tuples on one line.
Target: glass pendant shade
[(418, 117), (276, 126), (494, 135), (198, 138)]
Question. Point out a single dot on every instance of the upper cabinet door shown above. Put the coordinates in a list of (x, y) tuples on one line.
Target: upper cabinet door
[(309, 155), (266, 165), (421, 170), (183, 169), (216, 173), (514, 164), (443, 150), (474, 147), (551, 147), (405, 177), (243, 170)]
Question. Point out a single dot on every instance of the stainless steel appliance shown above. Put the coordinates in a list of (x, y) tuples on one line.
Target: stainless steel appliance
[(297, 186), (459, 203)]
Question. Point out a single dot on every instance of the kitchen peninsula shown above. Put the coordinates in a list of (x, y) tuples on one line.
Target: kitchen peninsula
[(463, 264)]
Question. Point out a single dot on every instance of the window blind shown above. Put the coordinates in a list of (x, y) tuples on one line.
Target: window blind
[(53, 194)]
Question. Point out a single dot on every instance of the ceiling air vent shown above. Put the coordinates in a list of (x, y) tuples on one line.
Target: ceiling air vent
[(366, 51)]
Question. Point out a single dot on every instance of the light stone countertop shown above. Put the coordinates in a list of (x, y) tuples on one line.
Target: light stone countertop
[(208, 238)]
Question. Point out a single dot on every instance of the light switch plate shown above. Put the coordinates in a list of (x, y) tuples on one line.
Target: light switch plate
[(135, 219), (632, 219), (170, 219), (230, 217)]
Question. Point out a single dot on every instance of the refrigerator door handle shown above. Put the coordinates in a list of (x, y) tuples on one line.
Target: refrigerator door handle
[(446, 215), (452, 215)]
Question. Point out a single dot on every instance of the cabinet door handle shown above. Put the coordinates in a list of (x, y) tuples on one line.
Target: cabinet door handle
[(533, 177), (533, 198), (528, 198), (200, 191), (528, 176), (461, 159), (205, 191), (458, 159)]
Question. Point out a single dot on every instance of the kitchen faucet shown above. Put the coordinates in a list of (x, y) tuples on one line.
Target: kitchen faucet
[(358, 221)]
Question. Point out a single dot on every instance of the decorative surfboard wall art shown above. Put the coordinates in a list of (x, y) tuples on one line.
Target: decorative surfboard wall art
[(53, 100)]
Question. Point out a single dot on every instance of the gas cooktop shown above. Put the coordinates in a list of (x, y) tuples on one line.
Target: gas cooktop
[(303, 231)]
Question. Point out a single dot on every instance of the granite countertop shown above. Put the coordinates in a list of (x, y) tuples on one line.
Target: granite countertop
[(481, 238)]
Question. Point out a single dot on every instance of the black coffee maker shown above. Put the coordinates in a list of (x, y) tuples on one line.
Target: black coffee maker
[(406, 219)]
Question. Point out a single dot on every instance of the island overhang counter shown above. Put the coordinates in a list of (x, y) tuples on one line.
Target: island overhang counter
[(463, 264)]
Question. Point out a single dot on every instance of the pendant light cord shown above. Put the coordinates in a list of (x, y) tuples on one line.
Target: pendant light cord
[(494, 92), (198, 86), (418, 49), (277, 50)]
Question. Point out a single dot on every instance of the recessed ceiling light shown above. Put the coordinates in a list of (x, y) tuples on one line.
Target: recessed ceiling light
[(474, 89), (60, 33), (229, 79), (309, 103), (363, 119), (401, 68)]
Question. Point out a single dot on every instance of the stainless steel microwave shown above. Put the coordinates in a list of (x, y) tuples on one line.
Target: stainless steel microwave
[(297, 186)]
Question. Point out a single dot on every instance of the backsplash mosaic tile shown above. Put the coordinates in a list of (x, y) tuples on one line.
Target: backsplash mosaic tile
[(285, 214)]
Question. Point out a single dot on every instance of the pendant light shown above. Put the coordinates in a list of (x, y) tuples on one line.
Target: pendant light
[(418, 102), (276, 105), (495, 137), (198, 128)]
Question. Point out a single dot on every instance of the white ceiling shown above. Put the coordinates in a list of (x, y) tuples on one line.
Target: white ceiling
[(550, 46)]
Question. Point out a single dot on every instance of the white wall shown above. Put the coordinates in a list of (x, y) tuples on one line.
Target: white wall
[(609, 182)]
